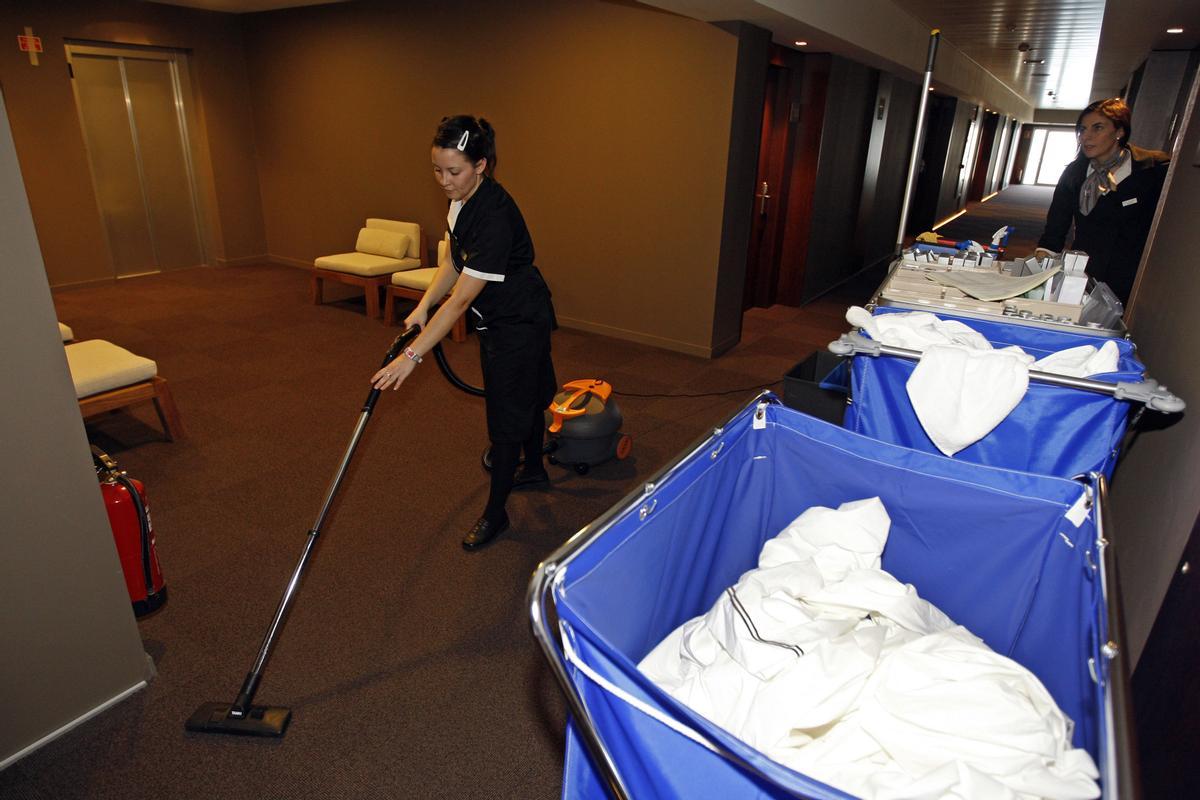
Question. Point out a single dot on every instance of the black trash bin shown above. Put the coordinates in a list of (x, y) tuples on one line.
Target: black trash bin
[(818, 386)]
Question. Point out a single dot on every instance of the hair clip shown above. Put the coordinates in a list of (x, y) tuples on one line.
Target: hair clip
[(462, 140)]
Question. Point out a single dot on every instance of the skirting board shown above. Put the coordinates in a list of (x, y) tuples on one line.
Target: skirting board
[(242, 261), (107, 704), (634, 336), (287, 261)]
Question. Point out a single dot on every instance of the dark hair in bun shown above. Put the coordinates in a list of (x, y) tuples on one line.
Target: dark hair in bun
[(475, 138)]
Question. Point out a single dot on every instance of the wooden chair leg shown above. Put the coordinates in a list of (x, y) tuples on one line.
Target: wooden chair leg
[(372, 292), (168, 414), (389, 308), (315, 286)]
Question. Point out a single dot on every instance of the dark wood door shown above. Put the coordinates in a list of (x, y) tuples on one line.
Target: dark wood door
[(762, 262)]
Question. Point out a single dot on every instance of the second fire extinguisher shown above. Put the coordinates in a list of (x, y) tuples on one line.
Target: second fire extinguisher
[(129, 516)]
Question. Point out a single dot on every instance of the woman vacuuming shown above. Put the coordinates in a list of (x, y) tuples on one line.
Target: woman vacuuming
[(493, 278)]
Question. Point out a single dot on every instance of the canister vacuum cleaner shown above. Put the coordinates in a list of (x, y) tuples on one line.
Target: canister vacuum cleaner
[(583, 427)]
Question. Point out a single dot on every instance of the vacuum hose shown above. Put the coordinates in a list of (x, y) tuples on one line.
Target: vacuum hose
[(455, 381)]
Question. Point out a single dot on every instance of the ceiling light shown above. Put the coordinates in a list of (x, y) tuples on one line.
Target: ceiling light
[(1035, 61), (1174, 30), (801, 44)]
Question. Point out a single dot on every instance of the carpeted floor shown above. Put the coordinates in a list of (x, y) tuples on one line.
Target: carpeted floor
[(1022, 207), (407, 662)]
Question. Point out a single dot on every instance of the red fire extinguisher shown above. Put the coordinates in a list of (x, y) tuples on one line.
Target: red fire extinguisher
[(129, 516)]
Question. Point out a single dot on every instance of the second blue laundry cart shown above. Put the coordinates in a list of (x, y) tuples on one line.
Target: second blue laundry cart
[(1064, 426)]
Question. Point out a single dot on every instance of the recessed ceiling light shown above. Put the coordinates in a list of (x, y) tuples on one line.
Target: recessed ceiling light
[(1174, 30), (1035, 61), (801, 44)]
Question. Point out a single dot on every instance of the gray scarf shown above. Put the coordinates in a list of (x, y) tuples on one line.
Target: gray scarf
[(1101, 180)]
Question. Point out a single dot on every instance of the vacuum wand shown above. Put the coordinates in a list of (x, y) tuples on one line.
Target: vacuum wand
[(242, 717)]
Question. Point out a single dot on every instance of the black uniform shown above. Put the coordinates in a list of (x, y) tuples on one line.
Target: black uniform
[(1114, 234), (513, 315)]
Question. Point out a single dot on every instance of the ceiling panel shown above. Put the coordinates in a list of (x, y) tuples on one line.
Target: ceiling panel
[(1062, 38)]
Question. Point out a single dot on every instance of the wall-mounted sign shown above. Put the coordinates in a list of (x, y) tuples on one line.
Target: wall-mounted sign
[(29, 44)]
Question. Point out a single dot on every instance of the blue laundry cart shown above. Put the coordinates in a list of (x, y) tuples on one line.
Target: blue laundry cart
[(1064, 426), (1019, 559)]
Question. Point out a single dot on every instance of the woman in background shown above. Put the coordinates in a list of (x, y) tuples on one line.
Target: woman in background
[(1109, 192), (493, 277)]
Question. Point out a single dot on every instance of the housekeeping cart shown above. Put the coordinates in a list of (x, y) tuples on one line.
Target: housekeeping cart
[(1021, 560), (1064, 426)]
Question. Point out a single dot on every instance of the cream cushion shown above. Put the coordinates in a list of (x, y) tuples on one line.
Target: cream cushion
[(410, 229), (365, 264), (415, 278), (65, 332), (98, 366), (382, 243)]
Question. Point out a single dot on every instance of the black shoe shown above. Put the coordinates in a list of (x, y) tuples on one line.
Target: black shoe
[(483, 532), (526, 479)]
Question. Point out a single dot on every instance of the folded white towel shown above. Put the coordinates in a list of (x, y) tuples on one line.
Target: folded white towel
[(1082, 361)]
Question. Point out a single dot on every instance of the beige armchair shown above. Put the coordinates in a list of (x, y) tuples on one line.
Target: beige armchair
[(383, 247), (411, 285)]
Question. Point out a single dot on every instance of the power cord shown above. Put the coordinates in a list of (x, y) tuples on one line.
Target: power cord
[(704, 394)]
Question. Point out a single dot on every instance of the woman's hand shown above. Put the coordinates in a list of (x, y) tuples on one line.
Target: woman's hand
[(418, 317), (394, 373)]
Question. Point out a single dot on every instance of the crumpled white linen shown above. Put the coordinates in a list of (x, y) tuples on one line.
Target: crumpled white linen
[(960, 394), (1081, 361), (853, 679), (962, 387)]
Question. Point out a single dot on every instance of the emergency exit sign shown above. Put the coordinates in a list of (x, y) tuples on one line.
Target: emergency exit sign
[(29, 44)]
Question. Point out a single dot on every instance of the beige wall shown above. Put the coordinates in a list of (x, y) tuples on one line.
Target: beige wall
[(45, 125), (68, 638), (1155, 497), (613, 128)]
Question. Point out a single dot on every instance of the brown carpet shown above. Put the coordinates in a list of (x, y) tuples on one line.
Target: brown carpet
[(407, 662), (1023, 207)]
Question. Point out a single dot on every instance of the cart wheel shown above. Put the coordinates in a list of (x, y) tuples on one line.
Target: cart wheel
[(624, 445), (553, 461), (550, 446), (582, 468)]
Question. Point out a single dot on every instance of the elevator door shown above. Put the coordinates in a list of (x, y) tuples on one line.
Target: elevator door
[(134, 118)]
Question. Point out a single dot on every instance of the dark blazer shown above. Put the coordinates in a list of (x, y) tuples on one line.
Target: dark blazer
[(1114, 234)]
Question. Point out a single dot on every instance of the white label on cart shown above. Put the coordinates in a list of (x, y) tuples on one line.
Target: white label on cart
[(1078, 512), (760, 417), (1130, 201)]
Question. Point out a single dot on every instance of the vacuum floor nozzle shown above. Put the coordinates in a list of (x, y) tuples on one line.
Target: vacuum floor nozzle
[(258, 721)]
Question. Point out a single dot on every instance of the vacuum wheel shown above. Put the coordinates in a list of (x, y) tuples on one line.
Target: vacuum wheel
[(582, 468), (624, 446)]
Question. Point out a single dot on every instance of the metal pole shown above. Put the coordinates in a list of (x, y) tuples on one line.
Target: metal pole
[(242, 704), (916, 148)]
